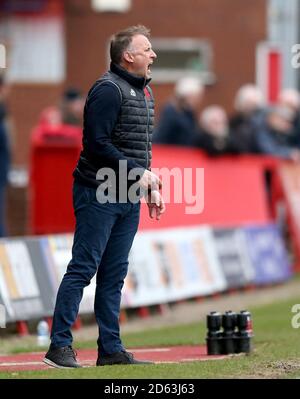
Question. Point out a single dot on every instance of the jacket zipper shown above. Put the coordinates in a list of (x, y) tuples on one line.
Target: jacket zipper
[(147, 129)]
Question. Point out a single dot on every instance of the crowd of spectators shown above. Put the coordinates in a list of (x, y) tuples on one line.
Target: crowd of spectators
[(254, 127)]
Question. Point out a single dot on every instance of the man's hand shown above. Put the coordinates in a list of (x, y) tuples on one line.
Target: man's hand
[(156, 204), (149, 181)]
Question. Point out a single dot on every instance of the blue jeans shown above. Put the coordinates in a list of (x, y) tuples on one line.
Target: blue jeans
[(103, 237)]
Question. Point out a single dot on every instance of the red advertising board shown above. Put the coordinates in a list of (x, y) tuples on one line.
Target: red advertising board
[(233, 191)]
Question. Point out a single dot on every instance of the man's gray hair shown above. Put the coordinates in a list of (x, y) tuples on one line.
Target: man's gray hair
[(121, 41)]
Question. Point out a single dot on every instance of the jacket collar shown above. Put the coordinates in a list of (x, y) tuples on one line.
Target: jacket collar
[(132, 79)]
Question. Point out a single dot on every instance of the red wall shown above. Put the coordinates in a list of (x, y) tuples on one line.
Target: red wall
[(233, 28)]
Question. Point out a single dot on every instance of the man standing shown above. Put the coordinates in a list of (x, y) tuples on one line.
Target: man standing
[(118, 123)]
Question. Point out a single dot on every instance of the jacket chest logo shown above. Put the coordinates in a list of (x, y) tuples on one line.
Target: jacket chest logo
[(133, 93)]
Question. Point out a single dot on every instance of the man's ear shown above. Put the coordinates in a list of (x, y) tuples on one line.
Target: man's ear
[(128, 57)]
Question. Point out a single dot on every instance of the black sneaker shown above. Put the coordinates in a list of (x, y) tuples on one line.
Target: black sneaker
[(62, 358), (119, 358)]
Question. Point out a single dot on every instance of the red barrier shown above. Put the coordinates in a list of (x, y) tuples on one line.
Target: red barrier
[(234, 189), (54, 154)]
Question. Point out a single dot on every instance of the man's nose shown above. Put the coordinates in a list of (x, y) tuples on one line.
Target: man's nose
[(153, 55)]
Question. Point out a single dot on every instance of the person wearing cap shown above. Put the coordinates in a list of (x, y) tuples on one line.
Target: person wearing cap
[(68, 111), (178, 122)]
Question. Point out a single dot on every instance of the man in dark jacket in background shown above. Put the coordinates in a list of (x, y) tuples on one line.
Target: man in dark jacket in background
[(178, 122), (118, 123), (290, 98), (248, 119)]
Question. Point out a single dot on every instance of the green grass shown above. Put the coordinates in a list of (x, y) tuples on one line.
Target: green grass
[(276, 354)]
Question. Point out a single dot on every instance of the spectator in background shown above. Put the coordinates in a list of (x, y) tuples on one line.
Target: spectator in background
[(4, 153), (178, 123), (72, 105), (248, 118), (119, 109), (291, 98), (276, 138), (214, 135)]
